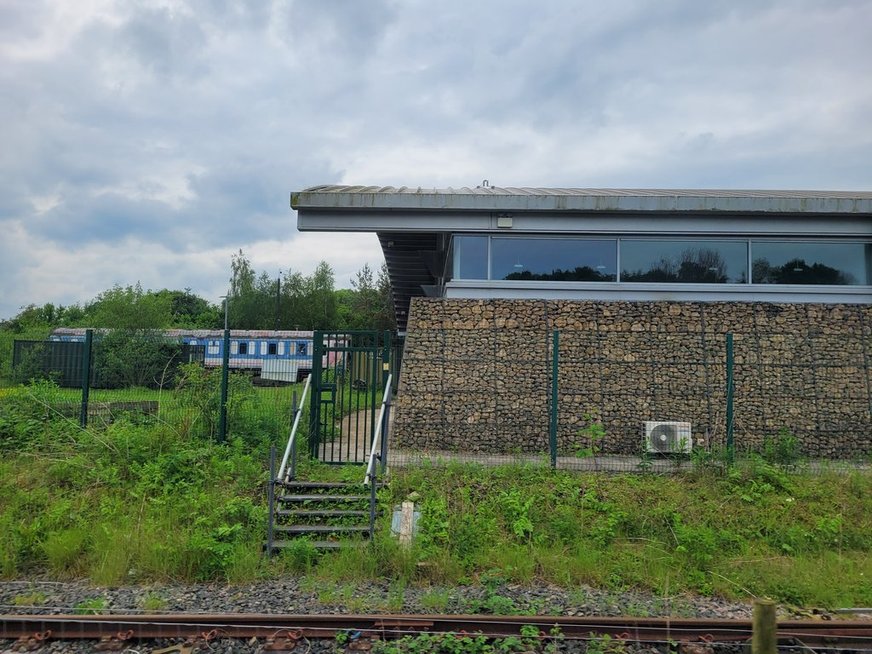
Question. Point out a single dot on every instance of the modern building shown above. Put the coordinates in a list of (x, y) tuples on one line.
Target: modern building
[(642, 285)]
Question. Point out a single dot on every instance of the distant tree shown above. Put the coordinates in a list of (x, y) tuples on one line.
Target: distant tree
[(245, 302), (321, 298), (130, 307), (386, 315), (135, 357), (292, 302), (364, 300), (368, 304), (191, 311)]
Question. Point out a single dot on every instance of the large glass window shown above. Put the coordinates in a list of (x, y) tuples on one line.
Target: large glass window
[(694, 262), (549, 259), (663, 261), (469, 257), (800, 262)]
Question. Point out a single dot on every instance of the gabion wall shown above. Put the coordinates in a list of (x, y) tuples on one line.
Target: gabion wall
[(477, 374)]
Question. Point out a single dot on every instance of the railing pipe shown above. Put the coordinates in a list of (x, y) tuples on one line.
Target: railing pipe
[(383, 455), (293, 436), (373, 453)]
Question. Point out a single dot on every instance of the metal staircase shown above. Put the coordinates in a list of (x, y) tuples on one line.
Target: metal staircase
[(329, 513)]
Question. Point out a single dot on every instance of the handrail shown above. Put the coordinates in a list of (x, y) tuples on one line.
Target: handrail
[(293, 436), (378, 430)]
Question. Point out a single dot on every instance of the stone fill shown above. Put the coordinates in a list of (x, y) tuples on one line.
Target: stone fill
[(476, 374)]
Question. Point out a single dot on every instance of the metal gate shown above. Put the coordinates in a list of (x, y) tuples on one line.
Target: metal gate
[(349, 371)]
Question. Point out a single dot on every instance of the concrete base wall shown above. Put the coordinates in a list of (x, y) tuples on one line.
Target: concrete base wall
[(476, 374)]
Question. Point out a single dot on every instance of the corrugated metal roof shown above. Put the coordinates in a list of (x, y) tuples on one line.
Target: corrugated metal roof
[(496, 198)]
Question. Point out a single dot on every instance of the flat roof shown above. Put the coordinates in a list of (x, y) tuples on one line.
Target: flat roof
[(495, 198)]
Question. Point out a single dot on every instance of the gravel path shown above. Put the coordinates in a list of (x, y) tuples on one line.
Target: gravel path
[(310, 595)]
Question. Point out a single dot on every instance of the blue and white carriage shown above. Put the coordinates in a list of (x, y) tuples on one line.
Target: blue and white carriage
[(271, 355)]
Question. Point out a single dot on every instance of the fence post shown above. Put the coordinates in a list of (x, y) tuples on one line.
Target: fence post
[(225, 365), (731, 448), (386, 358), (555, 363), (271, 502), (764, 637), (86, 376), (383, 454)]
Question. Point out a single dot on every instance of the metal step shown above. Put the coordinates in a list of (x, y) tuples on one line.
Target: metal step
[(321, 498), (326, 513), (322, 529), (318, 544), (313, 485)]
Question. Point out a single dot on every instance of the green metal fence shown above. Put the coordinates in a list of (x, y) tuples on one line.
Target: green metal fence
[(575, 398), (153, 380), (632, 400)]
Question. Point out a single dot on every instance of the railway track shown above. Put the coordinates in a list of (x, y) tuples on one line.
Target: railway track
[(283, 631)]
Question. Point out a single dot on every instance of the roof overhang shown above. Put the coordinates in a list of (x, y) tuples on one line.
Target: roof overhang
[(412, 223), (368, 199)]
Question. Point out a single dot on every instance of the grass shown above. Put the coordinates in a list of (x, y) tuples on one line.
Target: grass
[(144, 501), (35, 598), (153, 603), (756, 531)]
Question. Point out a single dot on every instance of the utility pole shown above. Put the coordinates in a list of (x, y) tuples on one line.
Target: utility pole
[(278, 298)]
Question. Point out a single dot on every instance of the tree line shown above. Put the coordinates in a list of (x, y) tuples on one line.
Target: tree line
[(256, 300)]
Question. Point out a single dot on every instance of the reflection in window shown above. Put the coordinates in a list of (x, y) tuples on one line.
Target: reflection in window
[(836, 264), (546, 259), (470, 257), (692, 262)]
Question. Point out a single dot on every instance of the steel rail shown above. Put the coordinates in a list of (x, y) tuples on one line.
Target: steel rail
[(200, 625)]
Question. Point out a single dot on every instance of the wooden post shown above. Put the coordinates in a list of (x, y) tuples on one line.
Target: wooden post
[(764, 639)]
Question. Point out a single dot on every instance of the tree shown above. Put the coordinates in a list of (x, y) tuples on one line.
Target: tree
[(191, 311), (321, 298), (130, 307), (135, 357), (386, 317)]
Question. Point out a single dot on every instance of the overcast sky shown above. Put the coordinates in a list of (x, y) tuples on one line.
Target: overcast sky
[(148, 141)]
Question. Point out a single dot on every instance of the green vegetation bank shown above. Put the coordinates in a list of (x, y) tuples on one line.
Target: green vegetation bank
[(155, 499)]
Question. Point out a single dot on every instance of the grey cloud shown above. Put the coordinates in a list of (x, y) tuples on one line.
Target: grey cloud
[(187, 126), (164, 41)]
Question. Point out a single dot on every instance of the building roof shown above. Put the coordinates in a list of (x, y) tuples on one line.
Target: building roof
[(414, 225), (495, 198)]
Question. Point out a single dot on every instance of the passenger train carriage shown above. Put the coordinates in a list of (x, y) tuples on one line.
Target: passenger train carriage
[(271, 355)]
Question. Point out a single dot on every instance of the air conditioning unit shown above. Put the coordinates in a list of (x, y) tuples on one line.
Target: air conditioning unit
[(667, 437)]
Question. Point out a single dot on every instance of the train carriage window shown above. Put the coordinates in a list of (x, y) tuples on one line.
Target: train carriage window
[(252, 347), (301, 349), (281, 348), (213, 347), (236, 346), (243, 347), (262, 347), (272, 348)]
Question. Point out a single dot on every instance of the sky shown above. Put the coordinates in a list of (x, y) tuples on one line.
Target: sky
[(147, 141)]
